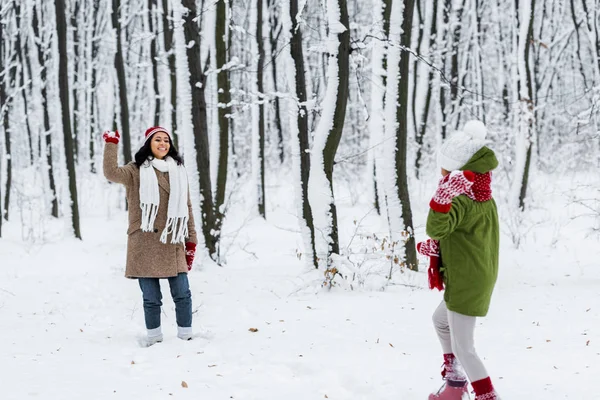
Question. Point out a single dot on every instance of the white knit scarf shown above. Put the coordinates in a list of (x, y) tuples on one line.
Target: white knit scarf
[(177, 212)]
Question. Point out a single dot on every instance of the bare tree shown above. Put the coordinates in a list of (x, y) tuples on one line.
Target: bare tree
[(120, 67), (63, 83), (224, 99), (331, 124), (410, 255), (76, 5), (22, 54), (525, 90), (274, 34), (170, 51), (197, 83), (298, 123), (42, 48), (153, 56), (261, 109)]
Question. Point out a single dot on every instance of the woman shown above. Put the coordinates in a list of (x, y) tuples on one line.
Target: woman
[(464, 231), (161, 236)]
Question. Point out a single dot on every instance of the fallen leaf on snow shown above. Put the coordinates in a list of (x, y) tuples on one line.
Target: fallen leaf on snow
[(212, 365), (587, 343), (529, 347), (184, 384), (132, 362), (253, 330), (391, 345)]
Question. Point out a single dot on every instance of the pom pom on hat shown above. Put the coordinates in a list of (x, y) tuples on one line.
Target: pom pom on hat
[(458, 149), (476, 129)]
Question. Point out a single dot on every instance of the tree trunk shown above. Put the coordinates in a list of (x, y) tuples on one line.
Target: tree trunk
[(20, 52), (443, 90), (43, 73), (76, 51), (274, 33), (170, 51), (10, 73), (298, 121), (410, 254), (261, 109), (529, 104), (422, 128), (153, 56), (415, 74), (454, 72), (120, 67), (329, 130), (197, 81), (3, 110), (94, 115), (224, 98), (63, 81)]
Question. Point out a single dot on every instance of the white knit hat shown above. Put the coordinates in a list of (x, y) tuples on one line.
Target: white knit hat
[(458, 149)]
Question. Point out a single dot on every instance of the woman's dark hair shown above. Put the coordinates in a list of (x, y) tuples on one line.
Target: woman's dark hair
[(145, 153)]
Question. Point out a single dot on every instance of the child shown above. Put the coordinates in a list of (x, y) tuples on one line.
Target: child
[(463, 249)]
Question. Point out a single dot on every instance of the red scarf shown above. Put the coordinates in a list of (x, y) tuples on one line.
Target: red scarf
[(480, 191)]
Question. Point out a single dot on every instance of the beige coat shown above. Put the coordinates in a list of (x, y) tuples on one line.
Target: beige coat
[(147, 256)]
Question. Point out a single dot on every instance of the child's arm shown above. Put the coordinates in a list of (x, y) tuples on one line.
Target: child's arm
[(441, 225)]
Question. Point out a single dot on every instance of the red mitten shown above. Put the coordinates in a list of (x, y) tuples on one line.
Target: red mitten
[(190, 253), (455, 184), (436, 281), (111, 137), (431, 248)]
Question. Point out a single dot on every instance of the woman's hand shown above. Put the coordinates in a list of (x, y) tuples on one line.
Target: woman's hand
[(190, 253), (111, 137)]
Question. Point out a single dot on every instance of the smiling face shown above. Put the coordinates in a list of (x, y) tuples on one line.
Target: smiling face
[(160, 144)]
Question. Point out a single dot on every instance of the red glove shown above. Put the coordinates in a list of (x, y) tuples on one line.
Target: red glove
[(450, 186), (190, 253), (111, 137), (431, 249)]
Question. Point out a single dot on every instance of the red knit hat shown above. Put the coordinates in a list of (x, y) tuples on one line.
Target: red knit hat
[(153, 130)]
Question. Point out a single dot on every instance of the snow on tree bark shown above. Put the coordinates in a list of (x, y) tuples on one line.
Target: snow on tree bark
[(329, 131)]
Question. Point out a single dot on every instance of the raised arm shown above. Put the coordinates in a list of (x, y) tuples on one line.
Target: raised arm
[(112, 171)]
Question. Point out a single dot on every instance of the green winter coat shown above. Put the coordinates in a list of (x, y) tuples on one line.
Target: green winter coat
[(469, 237)]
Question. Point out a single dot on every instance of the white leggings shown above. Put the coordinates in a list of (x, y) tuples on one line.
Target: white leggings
[(456, 333)]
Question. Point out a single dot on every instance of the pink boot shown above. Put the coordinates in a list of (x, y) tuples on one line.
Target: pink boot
[(484, 390), (451, 390), (456, 382)]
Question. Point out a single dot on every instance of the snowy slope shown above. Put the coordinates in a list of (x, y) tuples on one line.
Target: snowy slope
[(69, 321)]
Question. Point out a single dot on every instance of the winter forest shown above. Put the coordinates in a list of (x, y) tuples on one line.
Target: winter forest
[(309, 131)]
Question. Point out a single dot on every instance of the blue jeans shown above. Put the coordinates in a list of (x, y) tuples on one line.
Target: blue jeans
[(180, 291)]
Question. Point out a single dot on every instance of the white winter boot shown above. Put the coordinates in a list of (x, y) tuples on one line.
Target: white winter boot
[(154, 336), (184, 333)]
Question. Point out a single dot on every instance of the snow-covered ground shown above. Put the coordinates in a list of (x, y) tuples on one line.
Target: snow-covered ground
[(70, 322)]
